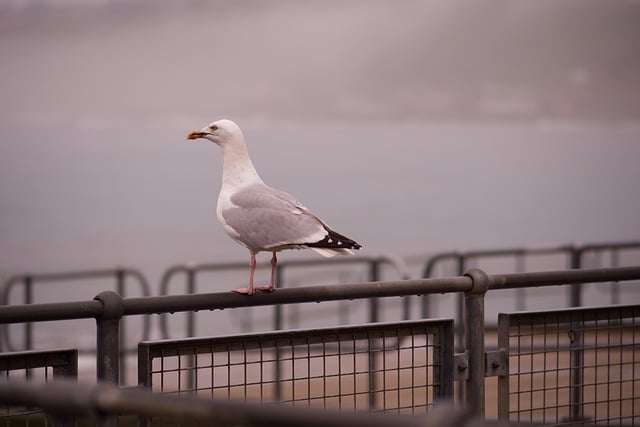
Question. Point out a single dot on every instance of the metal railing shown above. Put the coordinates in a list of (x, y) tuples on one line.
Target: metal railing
[(398, 367), (573, 256), (108, 308), (123, 280), (571, 366), (38, 366), (192, 273), (102, 403)]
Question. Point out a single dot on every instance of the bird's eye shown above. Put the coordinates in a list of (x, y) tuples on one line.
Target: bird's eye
[(214, 127)]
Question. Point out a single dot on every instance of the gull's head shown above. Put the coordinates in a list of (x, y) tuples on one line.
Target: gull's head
[(220, 132)]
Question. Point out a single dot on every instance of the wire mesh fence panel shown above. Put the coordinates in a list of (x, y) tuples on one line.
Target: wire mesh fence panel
[(572, 366), (36, 366), (395, 367)]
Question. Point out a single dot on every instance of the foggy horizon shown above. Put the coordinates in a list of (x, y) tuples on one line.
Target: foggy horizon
[(303, 60)]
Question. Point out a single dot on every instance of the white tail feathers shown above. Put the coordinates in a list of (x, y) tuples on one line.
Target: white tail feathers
[(329, 252)]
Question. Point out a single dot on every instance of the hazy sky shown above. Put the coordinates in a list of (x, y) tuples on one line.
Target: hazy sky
[(353, 59)]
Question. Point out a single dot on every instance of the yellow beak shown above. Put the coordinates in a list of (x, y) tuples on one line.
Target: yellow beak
[(195, 135)]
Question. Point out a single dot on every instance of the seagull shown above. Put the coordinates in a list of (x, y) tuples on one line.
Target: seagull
[(259, 217)]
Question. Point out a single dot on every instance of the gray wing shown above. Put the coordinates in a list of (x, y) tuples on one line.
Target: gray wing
[(266, 218)]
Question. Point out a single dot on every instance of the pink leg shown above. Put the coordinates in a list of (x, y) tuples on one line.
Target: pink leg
[(272, 285), (252, 269)]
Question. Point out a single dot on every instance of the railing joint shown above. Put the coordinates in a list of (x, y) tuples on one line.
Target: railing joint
[(480, 281), (461, 366), (112, 303), (496, 363)]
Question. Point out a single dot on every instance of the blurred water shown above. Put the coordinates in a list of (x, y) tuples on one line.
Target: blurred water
[(76, 196)]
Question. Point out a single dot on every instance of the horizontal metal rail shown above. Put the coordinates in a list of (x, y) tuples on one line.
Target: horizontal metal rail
[(77, 275), (610, 246), (70, 400), (63, 363), (573, 251), (108, 308), (575, 257), (308, 294), (192, 271), (196, 268), (463, 257), (123, 279), (562, 277), (28, 280)]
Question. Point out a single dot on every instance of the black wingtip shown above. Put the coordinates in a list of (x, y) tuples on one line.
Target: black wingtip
[(334, 240)]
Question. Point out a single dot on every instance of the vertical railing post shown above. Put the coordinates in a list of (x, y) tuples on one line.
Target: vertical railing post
[(576, 373), (277, 325), (108, 344), (575, 297), (108, 337), (504, 326), (191, 289), (120, 289), (144, 378), (521, 293), (575, 290), (28, 327), (460, 326), (277, 310), (615, 286), (28, 299), (374, 276), (474, 341), (371, 351), (190, 361)]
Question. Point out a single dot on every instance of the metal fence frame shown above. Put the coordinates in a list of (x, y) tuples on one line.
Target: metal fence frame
[(28, 281), (576, 257), (108, 308), (123, 278), (63, 363), (257, 354), (192, 271), (103, 403), (55, 364), (553, 346)]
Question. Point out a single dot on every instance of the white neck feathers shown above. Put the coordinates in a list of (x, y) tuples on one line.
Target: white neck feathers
[(237, 167)]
